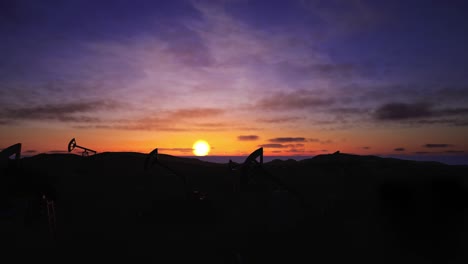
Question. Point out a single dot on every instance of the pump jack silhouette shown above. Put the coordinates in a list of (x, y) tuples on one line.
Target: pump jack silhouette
[(72, 144)]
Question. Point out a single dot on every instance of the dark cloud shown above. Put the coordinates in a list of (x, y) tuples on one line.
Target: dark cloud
[(453, 93), (349, 110), (296, 100), (150, 127), (278, 143), (296, 145), (183, 150), (5, 122), (276, 151), (178, 120), (30, 151), (454, 151), (280, 119), (65, 112), (151, 124), (421, 152), (273, 146), (211, 125), (365, 147), (294, 150), (422, 113), (93, 126), (437, 145), (453, 111), (436, 121), (330, 70), (401, 111), (340, 69), (447, 121), (287, 139), (247, 137), (190, 113), (461, 123), (399, 149), (325, 142)]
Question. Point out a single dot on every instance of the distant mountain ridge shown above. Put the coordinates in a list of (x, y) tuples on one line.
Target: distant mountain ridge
[(322, 158)]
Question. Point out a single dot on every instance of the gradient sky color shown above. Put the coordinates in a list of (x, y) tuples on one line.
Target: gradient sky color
[(299, 78)]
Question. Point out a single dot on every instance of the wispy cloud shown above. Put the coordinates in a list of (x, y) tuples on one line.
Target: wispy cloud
[(287, 139), (82, 112), (294, 150), (299, 147), (421, 152), (211, 125), (457, 93), (437, 145), (453, 111), (247, 137), (401, 111), (182, 150), (422, 113), (399, 149), (350, 17), (273, 146), (276, 120), (177, 120), (323, 142), (294, 101), (196, 112), (454, 151)]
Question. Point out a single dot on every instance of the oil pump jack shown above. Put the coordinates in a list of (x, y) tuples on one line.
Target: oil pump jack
[(5, 155), (252, 168), (72, 145)]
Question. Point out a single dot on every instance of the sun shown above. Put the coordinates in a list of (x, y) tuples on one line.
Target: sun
[(201, 148)]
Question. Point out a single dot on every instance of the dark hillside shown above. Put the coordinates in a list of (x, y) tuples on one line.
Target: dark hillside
[(331, 208)]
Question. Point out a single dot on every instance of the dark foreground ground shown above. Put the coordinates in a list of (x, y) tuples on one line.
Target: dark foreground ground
[(339, 208)]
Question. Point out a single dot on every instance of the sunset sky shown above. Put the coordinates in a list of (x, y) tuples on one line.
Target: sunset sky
[(299, 78)]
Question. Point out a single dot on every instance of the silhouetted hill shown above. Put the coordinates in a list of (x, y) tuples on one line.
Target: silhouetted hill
[(359, 159), (330, 208)]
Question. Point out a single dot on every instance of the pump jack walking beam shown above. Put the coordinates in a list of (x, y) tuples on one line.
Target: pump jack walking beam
[(73, 145)]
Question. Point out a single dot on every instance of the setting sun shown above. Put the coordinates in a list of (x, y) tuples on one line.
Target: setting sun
[(201, 148)]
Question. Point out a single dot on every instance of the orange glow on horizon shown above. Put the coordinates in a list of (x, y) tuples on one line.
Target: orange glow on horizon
[(37, 139)]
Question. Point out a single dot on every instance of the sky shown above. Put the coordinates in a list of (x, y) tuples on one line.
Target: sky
[(298, 77)]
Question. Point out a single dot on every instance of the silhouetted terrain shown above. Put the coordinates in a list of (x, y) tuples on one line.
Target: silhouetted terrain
[(339, 208)]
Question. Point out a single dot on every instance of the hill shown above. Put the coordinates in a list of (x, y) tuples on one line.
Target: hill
[(333, 208)]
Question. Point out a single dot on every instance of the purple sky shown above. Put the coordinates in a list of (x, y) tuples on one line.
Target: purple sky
[(367, 77)]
